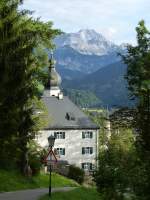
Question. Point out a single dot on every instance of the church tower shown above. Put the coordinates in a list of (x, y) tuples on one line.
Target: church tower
[(54, 79)]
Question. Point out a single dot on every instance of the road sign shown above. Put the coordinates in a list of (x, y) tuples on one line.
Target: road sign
[(50, 158)]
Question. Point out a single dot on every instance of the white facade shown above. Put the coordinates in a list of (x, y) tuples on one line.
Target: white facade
[(76, 136), (76, 149)]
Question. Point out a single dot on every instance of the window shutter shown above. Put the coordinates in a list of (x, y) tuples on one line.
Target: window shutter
[(83, 150), (91, 166), (91, 134), (82, 165), (91, 150), (83, 135), (63, 151)]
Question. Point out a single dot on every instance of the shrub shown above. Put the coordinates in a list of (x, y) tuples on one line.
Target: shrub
[(36, 155), (76, 173)]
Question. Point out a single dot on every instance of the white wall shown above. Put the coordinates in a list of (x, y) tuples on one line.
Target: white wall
[(55, 92), (73, 144)]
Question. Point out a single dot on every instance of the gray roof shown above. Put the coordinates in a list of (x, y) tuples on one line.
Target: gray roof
[(64, 114)]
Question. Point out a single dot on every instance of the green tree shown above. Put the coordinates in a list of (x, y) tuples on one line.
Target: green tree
[(124, 165), (116, 161), (20, 35), (138, 77)]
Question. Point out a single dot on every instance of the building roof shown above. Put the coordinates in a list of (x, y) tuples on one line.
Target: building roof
[(64, 114)]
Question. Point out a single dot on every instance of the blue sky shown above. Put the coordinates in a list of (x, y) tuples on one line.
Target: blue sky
[(115, 19)]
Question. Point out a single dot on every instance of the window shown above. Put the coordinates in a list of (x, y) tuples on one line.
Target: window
[(70, 116), (87, 150), (87, 166), (60, 151), (59, 135), (87, 134)]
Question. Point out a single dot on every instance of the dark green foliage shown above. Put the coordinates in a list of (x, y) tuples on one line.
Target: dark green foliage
[(19, 75), (124, 163), (123, 117), (138, 77), (82, 98), (76, 174), (137, 60), (35, 157), (116, 162)]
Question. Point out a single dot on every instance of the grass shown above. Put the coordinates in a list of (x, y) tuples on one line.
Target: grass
[(77, 194), (12, 181)]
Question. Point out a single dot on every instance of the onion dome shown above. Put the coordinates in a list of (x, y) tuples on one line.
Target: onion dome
[(55, 79)]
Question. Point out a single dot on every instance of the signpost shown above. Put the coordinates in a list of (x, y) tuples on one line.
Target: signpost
[(49, 159)]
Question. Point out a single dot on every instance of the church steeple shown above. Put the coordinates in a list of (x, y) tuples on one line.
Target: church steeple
[(55, 79)]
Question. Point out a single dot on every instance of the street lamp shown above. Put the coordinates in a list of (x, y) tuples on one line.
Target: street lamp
[(51, 141)]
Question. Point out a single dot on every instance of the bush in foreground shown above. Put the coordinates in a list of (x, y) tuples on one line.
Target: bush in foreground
[(76, 174)]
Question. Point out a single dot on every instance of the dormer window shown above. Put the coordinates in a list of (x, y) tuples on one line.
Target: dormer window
[(70, 116)]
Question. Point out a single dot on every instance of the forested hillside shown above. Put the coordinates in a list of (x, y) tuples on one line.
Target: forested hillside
[(107, 84)]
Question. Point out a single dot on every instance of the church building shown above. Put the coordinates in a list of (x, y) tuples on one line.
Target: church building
[(76, 135)]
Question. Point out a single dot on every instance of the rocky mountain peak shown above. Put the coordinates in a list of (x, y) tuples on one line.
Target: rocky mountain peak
[(90, 34), (87, 42)]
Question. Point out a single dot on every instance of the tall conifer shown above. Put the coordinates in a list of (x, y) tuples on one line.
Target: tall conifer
[(20, 34)]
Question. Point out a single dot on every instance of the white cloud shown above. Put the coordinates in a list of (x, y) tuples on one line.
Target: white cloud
[(109, 33), (115, 18)]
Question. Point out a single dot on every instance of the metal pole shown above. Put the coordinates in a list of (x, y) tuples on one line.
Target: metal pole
[(50, 177), (50, 187)]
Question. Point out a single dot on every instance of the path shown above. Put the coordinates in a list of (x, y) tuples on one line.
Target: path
[(33, 194)]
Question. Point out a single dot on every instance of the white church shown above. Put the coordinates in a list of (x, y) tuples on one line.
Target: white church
[(76, 136)]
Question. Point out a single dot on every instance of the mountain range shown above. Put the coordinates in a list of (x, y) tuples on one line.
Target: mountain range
[(85, 51), (87, 42), (88, 62)]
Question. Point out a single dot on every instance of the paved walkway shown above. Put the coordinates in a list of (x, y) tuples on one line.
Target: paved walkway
[(30, 194)]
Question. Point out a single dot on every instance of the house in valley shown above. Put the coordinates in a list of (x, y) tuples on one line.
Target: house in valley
[(76, 135)]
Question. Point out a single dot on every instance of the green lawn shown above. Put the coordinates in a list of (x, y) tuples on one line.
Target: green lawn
[(11, 181), (77, 194)]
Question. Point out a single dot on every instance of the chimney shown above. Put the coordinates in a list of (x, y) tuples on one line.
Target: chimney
[(60, 96)]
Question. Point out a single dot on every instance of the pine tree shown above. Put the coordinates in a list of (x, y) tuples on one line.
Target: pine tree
[(20, 34)]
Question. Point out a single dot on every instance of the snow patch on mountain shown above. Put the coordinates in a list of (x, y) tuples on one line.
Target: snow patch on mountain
[(87, 42)]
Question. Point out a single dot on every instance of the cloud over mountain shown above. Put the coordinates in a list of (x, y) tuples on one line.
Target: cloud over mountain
[(101, 15)]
